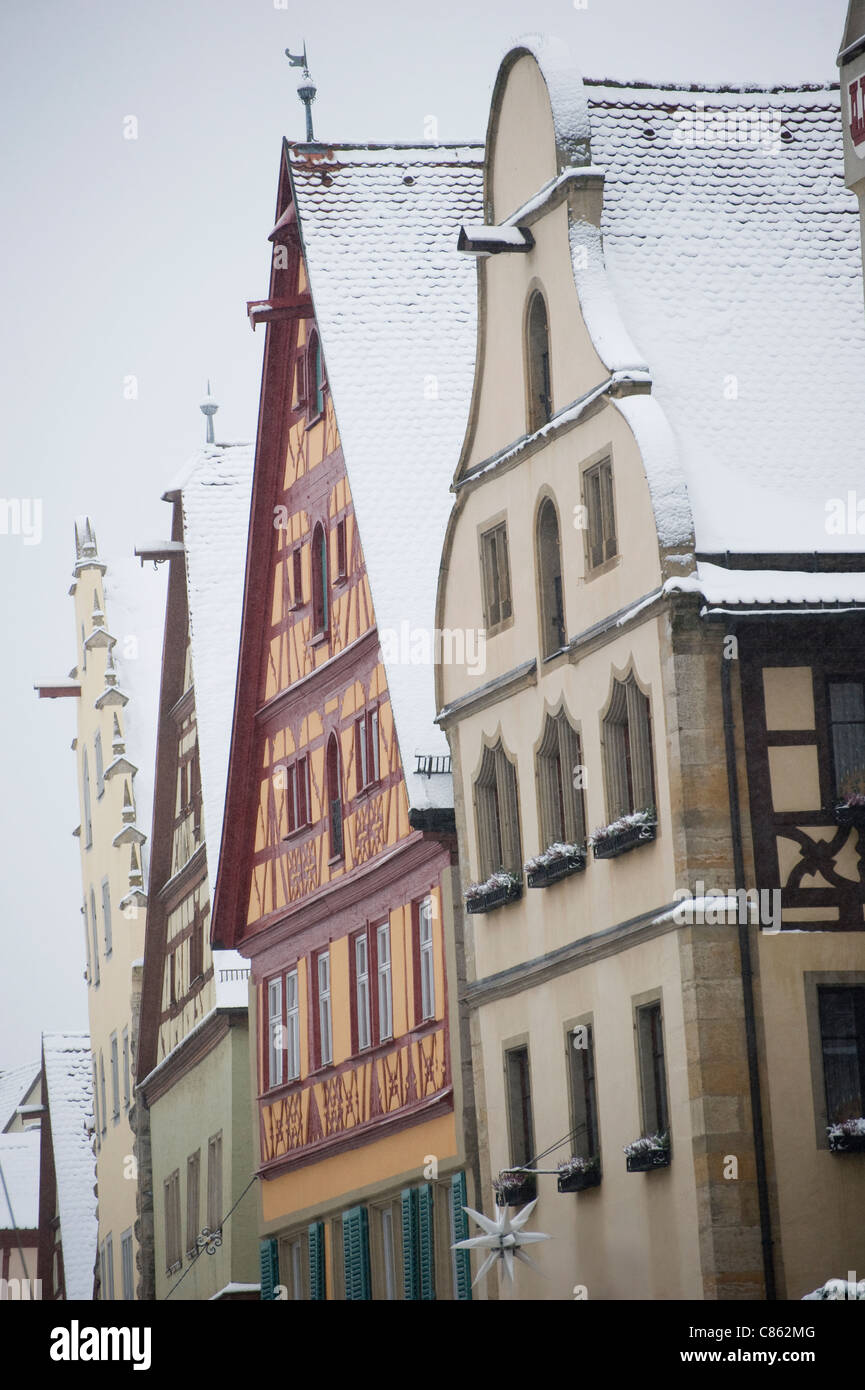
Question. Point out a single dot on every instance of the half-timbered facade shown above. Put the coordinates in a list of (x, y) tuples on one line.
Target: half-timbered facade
[(193, 1069), (337, 870), (672, 712)]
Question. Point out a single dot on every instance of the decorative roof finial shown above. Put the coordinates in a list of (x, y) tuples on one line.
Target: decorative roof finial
[(306, 88), (209, 408)]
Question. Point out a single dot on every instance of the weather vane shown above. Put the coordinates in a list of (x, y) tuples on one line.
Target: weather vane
[(306, 88)]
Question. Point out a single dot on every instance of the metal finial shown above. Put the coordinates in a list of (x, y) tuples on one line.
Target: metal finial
[(306, 88), (209, 408)]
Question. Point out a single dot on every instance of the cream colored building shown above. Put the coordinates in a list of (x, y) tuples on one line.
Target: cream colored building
[(118, 637), (674, 635)]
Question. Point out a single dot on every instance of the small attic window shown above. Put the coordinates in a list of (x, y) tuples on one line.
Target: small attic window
[(314, 378), (540, 403)]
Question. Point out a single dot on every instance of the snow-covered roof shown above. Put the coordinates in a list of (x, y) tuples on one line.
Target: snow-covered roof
[(19, 1159), (396, 307), (215, 489), (732, 268), (14, 1085), (69, 1097), (763, 588)]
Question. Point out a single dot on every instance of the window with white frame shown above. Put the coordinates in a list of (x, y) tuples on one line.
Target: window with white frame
[(366, 749), (361, 984), (275, 1028), (297, 794), (385, 989), (325, 1031), (292, 1027), (427, 972)]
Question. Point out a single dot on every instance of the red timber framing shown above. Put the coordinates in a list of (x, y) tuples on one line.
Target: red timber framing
[(294, 882)]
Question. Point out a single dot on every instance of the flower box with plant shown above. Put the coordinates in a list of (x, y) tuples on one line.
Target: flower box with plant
[(847, 1136), (500, 888), (515, 1189), (576, 1174), (557, 861), (623, 834), (652, 1151), (851, 811)]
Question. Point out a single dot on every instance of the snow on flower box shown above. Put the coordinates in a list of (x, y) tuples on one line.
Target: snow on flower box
[(847, 1137), (515, 1189), (652, 1151), (626, 833), (576, 1174), (851, 811), (556, 862), (498, 889)]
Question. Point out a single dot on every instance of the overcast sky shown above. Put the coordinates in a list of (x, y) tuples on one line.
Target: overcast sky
[(136, 257)]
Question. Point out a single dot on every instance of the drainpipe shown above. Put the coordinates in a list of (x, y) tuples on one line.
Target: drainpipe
[(748, 987)]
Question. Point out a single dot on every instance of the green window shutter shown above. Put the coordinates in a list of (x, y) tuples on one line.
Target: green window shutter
[(426, 1242), (460, 1231), (410, 1269), (355, 1244), (317, 1279), (269, 1259)]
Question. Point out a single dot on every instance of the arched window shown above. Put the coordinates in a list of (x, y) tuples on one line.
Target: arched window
[(334, 799), (627, 738), (560, 796), (549, 561), (315, 376), (497, 814), (320, 614), (540, 396)]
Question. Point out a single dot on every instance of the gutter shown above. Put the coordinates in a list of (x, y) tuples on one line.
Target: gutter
[(748, 990)]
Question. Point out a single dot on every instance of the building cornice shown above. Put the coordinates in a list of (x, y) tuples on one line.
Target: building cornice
[(188, 1053), (585, 951), (318, 682), (490, 694)]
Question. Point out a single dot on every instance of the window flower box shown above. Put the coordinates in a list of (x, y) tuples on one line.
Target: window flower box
[(498, 889), (624, 834), (851, 811), (652, 1151), (576, 1174), (515, 1189), (556, 862), (847, 1137)]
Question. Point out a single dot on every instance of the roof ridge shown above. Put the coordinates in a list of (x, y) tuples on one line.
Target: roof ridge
[(640, 84)]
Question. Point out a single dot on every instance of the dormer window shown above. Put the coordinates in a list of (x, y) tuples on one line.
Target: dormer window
[(540, 396)]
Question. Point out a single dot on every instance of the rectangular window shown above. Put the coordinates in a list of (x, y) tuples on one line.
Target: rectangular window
[(102, 1093), (297, 794), (388, 1253), (108, 1268), (292, 1027), (96, 1104), (361, 984), (127, 1267), (366, 749), (126, 1091), (340, 550), (171, 1194), (214, 1182), (297, 576), (584, 1111), (296, 1267), (598, 498), (385, 992), (196, 948), (842, 1041), (275, 1031), (106, 915), (847, 725), (100, 769), (653, 1076), (193, 1199), (115, 1078), (85, 786), (95, 927), (519, 1103), (325, 1034), (627, 742), (496, 576), (425, 959)]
